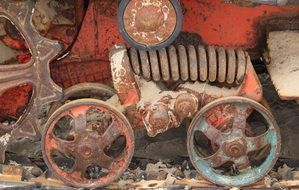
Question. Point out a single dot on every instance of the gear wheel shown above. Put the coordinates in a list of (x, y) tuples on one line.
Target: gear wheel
[(36, 73)]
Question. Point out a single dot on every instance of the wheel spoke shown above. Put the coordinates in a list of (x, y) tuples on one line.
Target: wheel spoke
[(217, 159), (105, 161), (79, 166), (111, 134), (239, 123), (256, 143), (242, 162), (80, 118), (231, 165), (211, 132), (63, 146), (242, 109), (94, 160)]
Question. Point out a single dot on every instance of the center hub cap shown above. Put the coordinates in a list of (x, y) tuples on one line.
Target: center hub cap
[(235, 148), (149, 22)]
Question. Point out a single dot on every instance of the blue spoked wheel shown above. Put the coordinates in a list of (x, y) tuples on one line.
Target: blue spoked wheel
[(230, 152)]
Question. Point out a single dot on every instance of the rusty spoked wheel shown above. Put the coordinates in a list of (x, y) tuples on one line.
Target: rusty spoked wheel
[(88, 143), (231, 160)]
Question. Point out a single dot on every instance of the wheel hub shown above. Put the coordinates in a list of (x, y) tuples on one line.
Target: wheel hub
[(86, 146), (148, 22), (235, 148)]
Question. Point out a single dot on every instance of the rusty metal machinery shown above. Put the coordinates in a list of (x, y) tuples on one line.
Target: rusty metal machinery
[(140, 80), (83, 90), (89, 136), (232, 144), (35, 72), (149, 24), (204, 77), (190, 64)]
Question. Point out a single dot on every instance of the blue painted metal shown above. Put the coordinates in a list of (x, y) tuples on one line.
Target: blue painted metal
[(246, 176)]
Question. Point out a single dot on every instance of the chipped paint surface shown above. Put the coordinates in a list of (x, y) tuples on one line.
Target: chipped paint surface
[(4, 140), (123, 78), (149, 22), (248, 174), (151, 93), (117, 66), (89, 146), (35, 71), (206, 88)]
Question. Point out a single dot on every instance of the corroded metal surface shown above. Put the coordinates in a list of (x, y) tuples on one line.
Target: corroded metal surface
[(53, 19), (190, 63), (160, 108), (88, 60), (88, 90), (233, 144), (186, 105), (123, 77), (83, 90), (149, 23), (89, 144), (35, 72)]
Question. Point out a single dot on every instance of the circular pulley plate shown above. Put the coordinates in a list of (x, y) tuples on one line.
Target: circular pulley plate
[(150, 24), (235, 147), (88, 143)]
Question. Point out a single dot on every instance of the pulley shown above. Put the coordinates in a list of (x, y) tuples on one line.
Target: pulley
[(149, 25), (231, 161), (87, 143)]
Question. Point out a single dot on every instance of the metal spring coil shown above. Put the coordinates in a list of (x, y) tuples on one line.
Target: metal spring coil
[(191, 63)]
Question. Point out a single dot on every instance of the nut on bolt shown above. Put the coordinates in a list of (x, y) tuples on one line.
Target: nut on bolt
[(235, 148), (157, 119), (158, 116), (186, 105)]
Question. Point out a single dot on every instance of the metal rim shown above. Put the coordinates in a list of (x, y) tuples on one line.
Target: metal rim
[(83, 90), (252, 174), (120, 12), (76, 109), (88, 89)]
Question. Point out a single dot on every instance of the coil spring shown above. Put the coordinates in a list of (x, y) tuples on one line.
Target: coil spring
[(191, 63)]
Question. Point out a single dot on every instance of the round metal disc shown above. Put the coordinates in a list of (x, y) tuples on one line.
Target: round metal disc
[(150, 25), (88, 142), (234, 145)]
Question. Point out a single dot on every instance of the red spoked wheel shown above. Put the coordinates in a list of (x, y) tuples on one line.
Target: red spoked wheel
[(88, 143)]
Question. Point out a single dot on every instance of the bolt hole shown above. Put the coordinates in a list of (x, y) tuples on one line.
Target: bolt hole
[(95, 172), (116, 148), (63, 128), (64, 161), (98, 120), (203, 145)]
